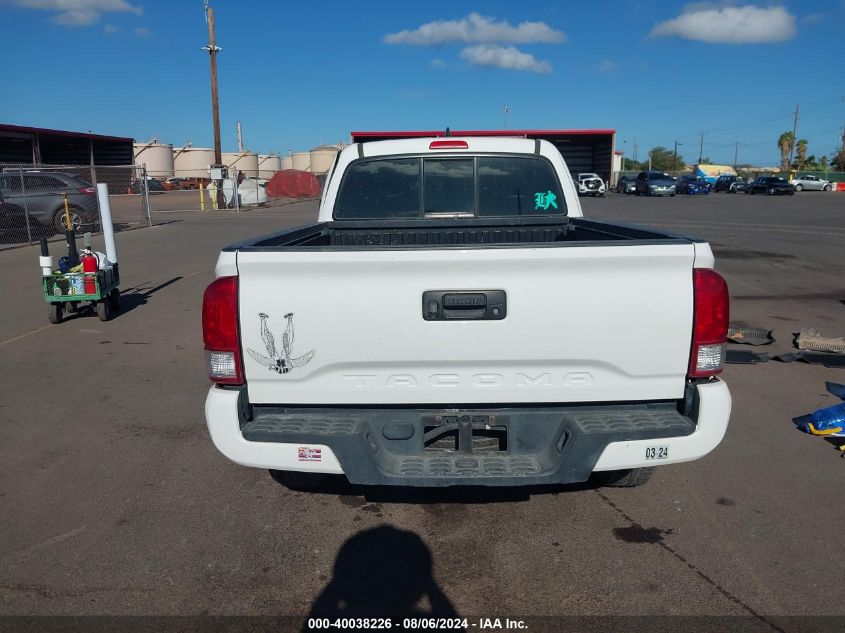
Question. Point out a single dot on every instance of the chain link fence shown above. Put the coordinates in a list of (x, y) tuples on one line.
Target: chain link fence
[(38, 201), (194, 190)]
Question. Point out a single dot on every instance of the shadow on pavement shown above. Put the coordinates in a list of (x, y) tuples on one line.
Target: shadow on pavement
[(338, 485), (383, 572), (136, 296)]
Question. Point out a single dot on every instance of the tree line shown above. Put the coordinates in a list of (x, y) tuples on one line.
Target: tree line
[(801, 161), (664, 159)]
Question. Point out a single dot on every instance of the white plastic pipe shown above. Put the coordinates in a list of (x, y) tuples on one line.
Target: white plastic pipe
[(46, 263), (105, 219)]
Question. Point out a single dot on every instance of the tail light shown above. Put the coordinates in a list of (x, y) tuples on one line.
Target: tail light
[(220, 332), (90, 191), (710, 323), (448, 145)]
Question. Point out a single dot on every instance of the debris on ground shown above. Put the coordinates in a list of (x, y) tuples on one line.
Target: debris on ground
[(750, 335), (812, 339), (743, 357), (828, 359), (828, 422)]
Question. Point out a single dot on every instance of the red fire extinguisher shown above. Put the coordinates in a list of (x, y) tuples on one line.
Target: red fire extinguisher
[(90, 264)]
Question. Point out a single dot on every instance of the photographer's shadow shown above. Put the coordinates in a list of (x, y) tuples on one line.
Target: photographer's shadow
[(383, 573)]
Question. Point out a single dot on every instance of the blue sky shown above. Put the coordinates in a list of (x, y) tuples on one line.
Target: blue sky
[(300, 74)]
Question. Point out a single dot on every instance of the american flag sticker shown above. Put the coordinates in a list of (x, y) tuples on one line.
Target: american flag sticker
[(307, 454)]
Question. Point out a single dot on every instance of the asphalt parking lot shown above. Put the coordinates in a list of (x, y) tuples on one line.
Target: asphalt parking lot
[(114, 501)]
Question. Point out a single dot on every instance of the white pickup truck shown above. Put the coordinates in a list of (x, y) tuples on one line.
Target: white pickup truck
[(452, 319)]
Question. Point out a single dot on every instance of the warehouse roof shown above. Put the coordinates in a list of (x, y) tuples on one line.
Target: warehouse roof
[(22, 129)]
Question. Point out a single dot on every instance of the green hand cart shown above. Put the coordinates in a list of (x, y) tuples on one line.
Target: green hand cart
[(65, 291)]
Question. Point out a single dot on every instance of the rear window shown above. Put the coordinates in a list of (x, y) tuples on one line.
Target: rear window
[(380, 189), (482, 186)]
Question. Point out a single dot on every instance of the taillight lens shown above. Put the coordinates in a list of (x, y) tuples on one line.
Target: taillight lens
[(88, 191), (710, 323), (220, 332), (448, 145)]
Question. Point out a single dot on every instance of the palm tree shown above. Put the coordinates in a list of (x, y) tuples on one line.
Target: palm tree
[(785, 142), (801, 156)]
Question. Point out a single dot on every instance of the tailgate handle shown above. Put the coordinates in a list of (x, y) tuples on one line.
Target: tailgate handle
[(465, 305)]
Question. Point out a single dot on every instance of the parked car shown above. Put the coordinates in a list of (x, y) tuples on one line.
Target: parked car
[(626, 184), (730, 184), (173, 184), (770, 185), (454, 361), (692, 185), (154, 185), (655, 183), (40, 195), (811, 183), (591, 185), (195, 183)]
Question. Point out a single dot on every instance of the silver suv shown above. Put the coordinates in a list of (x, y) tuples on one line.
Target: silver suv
[(39, 194)]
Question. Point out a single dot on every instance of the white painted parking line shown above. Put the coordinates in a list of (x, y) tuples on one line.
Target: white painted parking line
[(20, 336)]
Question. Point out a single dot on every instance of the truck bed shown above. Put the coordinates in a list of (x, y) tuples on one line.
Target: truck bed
[(461, 233)]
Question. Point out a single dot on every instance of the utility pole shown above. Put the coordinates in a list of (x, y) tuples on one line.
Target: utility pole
[(701, 148), (794, 140), (736, 153), (212, 50), (675, 157), (507, 109), (635, 151)]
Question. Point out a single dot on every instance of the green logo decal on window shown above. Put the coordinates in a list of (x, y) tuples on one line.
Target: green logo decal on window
[(545, 200)]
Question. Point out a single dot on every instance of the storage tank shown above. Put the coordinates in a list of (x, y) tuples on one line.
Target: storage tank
[(157, 156), (268, 165), (287, 162), (193, 162), (247, 162), (322, 158), (302, 161)]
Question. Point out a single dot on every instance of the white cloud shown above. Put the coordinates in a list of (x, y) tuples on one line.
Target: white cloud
[(477, 29), (77, 18), (142, 31), (79, 12), (437, 63), (108, 29), (730, 25), (607, 66), (504, 57)]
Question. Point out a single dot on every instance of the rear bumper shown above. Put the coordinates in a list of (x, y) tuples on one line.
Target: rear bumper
[(543, 445)]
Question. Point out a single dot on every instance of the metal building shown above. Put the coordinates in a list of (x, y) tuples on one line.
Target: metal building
[(41, 146), (583, 150)]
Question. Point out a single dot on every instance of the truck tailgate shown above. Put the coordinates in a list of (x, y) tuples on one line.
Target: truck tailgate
[(583, 324)]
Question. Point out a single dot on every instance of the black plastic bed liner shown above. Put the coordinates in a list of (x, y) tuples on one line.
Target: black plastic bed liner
[(349, 235)]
